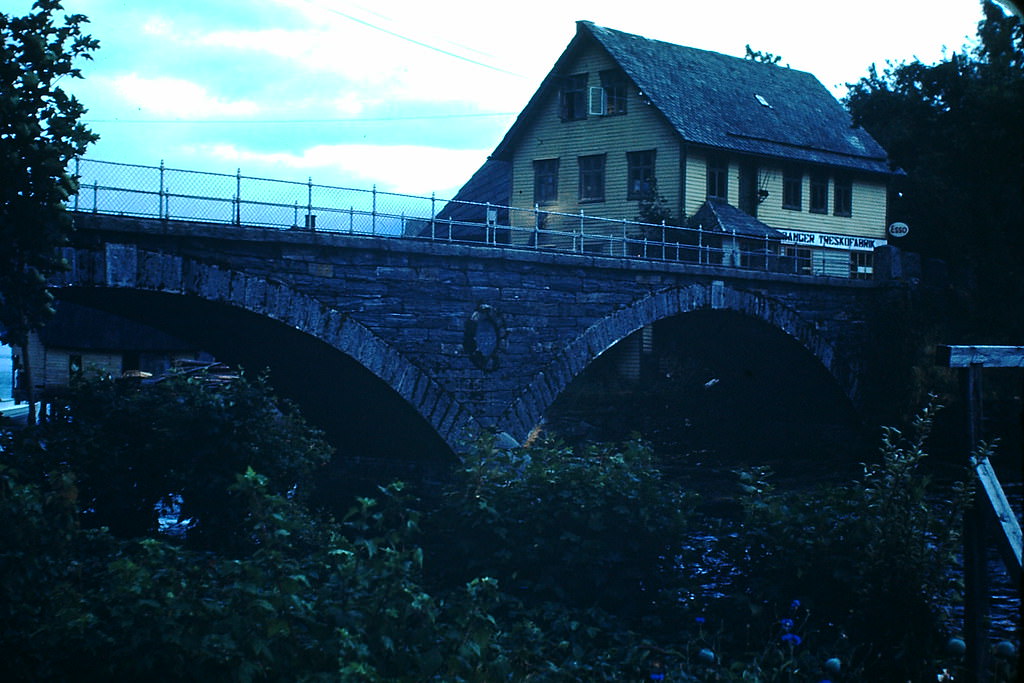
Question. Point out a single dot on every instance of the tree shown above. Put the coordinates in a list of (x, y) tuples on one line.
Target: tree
[(179, 442), (40, 132), (763, 57), (954, 128)]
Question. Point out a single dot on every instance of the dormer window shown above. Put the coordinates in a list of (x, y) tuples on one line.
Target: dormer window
[(574, 98)]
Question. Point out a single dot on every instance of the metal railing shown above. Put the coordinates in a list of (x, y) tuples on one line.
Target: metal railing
[(183, 195)]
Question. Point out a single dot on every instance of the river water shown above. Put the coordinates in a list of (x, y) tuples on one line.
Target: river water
[(1006, 597)]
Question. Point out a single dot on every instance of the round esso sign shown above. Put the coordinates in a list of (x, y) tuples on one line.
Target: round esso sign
[(899, 229)]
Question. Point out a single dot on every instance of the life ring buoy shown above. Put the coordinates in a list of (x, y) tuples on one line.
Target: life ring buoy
[(483, 337)]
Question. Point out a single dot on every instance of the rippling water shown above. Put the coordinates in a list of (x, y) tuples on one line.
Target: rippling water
[(1006, 598)]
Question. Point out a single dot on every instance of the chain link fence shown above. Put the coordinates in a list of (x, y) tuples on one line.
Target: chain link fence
[(184, 195)]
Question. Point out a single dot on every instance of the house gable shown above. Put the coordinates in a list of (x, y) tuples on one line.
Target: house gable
[(619, 112), (591, 155)]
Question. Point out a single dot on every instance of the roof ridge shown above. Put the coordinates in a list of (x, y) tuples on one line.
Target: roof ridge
[(707, 51)]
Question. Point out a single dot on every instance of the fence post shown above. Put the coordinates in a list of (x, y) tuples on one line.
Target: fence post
[(373, 215), (78, 161), (238, 197), (625, 240), (664, 242), (433, 213), (95, 192), (309, 202), (581, 234), (161, 197), (536, 226), (490, 229)]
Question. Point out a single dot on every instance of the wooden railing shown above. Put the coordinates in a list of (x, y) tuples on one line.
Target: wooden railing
[(991, 509)]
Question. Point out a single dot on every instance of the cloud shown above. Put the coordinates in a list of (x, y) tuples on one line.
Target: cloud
[(408, 169), (177, 98)]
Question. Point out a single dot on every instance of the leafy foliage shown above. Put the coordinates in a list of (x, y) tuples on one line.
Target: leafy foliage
[(605, 538), (653, 208), (859, 554), (40, 133), (540, 563), (131, 447), (763, 57)]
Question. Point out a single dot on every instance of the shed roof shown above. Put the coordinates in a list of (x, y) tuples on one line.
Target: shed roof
[(720, 216)]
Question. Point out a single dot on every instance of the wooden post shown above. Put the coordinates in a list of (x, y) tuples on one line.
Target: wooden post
[(976, 590), (989, 503)]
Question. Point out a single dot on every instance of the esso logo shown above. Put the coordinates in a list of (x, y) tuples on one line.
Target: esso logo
[(899, 229)]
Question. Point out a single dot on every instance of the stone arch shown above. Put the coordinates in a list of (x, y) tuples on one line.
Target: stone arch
[(124, 266), (526, 410)]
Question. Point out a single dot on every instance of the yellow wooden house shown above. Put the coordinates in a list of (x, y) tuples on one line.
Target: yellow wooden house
[(747, 151)]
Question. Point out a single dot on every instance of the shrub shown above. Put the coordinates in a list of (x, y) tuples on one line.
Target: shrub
[(876, 560), (592, 528), (133, 446)]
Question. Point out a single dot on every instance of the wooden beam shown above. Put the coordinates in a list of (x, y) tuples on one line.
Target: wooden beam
[(1009, 538), (949, 356)]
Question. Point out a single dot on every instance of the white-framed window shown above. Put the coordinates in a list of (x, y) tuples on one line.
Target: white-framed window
[(862, 265)]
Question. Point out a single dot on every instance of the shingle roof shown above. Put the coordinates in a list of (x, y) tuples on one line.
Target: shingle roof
[(491, 184), (721, 216), (711, 99)]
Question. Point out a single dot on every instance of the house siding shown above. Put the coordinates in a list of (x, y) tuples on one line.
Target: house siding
[(548, 137), (867, 218), (57, 361)]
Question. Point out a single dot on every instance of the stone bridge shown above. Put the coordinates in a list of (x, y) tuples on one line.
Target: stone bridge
[(470, 337)]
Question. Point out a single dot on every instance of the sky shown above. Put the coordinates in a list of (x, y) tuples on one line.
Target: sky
[(412, 96)]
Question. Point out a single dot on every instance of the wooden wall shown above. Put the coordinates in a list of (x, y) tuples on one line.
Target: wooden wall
[(548, 137)]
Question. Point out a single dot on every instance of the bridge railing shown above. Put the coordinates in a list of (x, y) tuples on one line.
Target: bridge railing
[(184, 195)]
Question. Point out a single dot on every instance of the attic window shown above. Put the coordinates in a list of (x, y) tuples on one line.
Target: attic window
[(574, 101), (763, 101), (615, 87)]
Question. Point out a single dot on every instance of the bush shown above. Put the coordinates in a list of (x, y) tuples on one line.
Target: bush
[(593, 528), (180, 442), (538, 563), (874, 561)]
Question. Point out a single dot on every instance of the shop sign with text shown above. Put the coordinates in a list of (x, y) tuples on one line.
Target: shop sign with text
[(823, 239)]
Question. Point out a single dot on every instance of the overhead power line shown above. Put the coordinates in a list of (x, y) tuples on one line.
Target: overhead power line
[(414, 41), (378, 119)]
